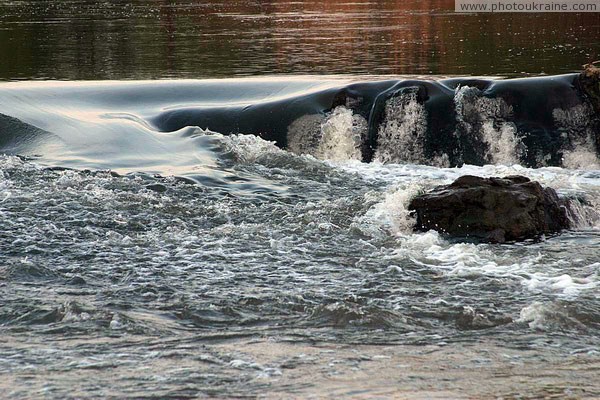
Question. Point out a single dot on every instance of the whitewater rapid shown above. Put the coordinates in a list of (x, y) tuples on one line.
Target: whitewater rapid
[(228, 265)]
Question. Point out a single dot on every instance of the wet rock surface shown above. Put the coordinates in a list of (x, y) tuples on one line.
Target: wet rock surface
[(589, 81), (493, 209)]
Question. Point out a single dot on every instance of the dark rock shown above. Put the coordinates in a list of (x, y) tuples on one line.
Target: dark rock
[(491, 209), (469, 319), (157, 187), (76, 280), (589, 82)]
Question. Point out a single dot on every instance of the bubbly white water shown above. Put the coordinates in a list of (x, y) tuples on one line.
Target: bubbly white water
[(246, 149), (336, 136), (577, 122), (537, 273), (112, 273), (341, 136), (401, 135), (389, 215), (543, 316), (487, 120)]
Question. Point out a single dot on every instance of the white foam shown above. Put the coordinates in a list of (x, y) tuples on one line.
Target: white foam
[(486, 119), (115, 322), (462, 259), (502, 142), (341, 136), (536, 272), (548, 317), (336, 136), (248, 148), (581, 157), (403, 174), (565, 285), (535, 315), (423, 242), (584, 215), (577, 122), (401, 135), (389, 214), (242, 364), (72, 313)]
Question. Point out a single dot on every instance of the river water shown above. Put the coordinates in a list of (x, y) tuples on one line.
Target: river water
[(149, 39), (138, 261)]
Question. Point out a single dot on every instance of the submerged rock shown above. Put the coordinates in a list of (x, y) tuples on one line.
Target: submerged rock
[(157, 187), (492, 209)]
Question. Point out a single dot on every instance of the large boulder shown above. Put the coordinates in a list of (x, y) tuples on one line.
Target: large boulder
[(491, 209)]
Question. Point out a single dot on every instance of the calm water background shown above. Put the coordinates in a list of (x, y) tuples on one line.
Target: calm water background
[(198, 39)]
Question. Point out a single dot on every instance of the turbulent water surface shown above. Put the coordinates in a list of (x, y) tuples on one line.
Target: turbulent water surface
[(201, 237), (146, 263)]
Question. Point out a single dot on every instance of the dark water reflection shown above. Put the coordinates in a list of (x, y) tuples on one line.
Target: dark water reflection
[(87, 39)]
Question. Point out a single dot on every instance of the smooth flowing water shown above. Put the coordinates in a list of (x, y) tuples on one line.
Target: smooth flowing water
[(144, 253)]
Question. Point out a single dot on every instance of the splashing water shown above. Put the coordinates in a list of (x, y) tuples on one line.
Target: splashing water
[(486, 121), (581, 152), (342, 134), (402, 133), (336, 137)]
